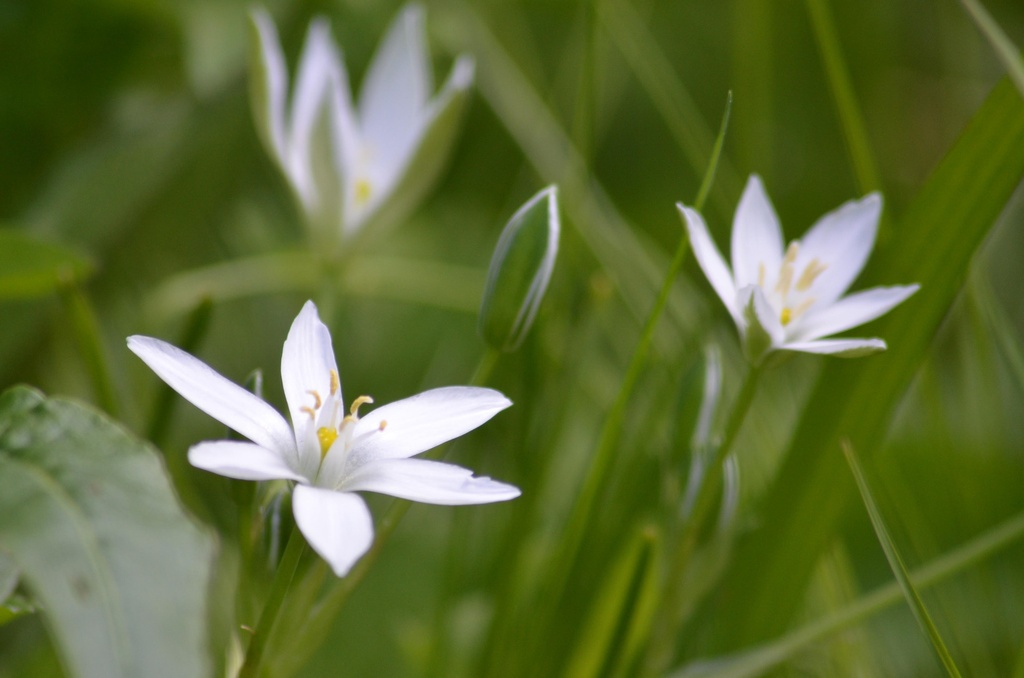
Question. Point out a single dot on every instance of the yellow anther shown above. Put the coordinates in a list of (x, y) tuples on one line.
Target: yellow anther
[(363, 190), (786, 316), (316, 396), (354, 409), (326, 435), (786, 271), (383, 425), (335, 382), (310, 411), (760, 274), (810, 274)]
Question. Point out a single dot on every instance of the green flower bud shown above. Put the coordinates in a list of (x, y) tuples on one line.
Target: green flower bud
[(519, 272)]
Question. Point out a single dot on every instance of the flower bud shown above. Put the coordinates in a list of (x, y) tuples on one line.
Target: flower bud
[(519, 272)]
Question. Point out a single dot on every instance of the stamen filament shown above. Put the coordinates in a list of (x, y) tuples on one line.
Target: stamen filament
[(813, 270)]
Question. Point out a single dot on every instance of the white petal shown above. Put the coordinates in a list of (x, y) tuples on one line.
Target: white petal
[(270, 94), (243, 461), (710, 260), (395, 93), (843, 348), (756, 236), (226, 402), (337, 525), (842, 241), (431, 482), (850, 311), (413, 425), (312, 85), (765, 315), (307, 361)]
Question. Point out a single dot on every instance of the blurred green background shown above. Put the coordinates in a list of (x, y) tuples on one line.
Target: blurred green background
[(125, 133)]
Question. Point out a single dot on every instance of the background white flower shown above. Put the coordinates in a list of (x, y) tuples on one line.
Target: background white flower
[(788, 299), (331, 452), (346, 164)]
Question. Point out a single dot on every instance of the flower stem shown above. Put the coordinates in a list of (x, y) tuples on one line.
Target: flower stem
[(660, 649), (293, 553)]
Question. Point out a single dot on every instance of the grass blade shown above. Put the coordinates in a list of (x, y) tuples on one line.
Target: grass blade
[(1003, 46), (899, 569)]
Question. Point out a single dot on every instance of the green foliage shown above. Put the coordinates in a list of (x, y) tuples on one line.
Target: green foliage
[(30, 267), (87, 515)]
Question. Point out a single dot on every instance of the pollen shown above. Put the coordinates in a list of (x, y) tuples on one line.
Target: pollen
[(810, 274), (786, 271), (357, 403), (363, 190), (383, 425), (326, 435), (335, 382)]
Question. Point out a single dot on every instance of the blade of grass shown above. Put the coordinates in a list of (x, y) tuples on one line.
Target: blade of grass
[(838, 75), (669, 94), (756, 661), (932, 244), (899, 569), (1001, 44), (86, 331)]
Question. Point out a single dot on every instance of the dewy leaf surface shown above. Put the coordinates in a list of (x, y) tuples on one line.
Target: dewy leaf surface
[(932, 244), (88, 515)]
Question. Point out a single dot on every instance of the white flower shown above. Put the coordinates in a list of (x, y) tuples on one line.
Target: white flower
[(345, 165), (331, 452), (789, 299)]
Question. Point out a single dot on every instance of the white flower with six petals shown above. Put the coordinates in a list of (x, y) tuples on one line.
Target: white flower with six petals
[(329, 452), (344, 163), (789, 299)]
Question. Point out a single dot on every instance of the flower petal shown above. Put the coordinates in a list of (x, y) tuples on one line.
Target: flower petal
[(317, 64), (337, 525), (851, 311), (269, 86), (413, 425), (307, 361), (395, 94), (431, 482), (226, 402), (244, 461), (842, 241), (756, 237), (843, 348), (710, 260), (761, 329)]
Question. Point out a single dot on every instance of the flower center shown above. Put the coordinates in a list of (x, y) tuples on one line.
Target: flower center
[(327, 435), (784, 285)]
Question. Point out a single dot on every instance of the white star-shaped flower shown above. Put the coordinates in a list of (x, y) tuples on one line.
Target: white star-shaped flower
[(331, 452), (789, 299), (345, 164)]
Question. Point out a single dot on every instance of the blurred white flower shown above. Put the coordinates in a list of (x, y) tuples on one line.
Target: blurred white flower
[(329, 452), (788, 299), (347, 165)]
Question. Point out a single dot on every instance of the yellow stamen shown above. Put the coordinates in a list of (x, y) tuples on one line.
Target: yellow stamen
[(786, 271), (813, 270), (363, 190), (786, 316), (354, 409), (383, 425), (317, 397), (335, 382), (326, 435), (760, 274), (310, 411)]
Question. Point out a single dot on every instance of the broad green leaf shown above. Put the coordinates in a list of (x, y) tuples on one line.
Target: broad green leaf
[(932, 244), (89, 517), (30, 267)]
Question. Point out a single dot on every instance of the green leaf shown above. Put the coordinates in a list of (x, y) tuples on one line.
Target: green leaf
[(30, 267), (931, 244), (899, 569), (89, 517)]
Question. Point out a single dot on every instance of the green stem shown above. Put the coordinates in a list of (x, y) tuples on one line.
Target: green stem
[(293, 553), (86, 332), (662, 646)]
